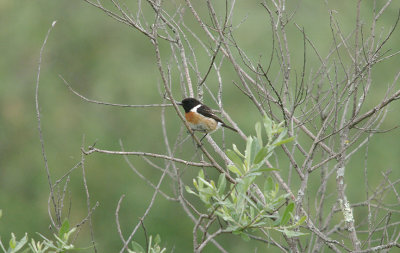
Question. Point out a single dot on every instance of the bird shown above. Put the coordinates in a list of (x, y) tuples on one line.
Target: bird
[(201, 118)]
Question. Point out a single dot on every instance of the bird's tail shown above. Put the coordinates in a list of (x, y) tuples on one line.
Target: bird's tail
[(231, 128)]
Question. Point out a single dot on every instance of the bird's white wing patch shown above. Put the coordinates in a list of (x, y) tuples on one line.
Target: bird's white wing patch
[(194, 109)]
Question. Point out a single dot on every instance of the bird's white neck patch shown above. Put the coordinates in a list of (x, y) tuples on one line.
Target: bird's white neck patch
[(194, 109)]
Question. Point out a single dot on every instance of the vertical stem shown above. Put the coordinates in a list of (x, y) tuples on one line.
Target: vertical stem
[(344, 203)]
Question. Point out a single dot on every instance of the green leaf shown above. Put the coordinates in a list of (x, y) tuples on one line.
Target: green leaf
[(261, 155), (221, 184), (301, 221), (234, 169), (252, 213), (137, 248), (13, 241), (291, 233), (1, 213), (265, 170), (234, 158), (188, 190), (195, 184), (252, 174), (201, 175), (245, 183), (17, 245), (247, 153), (255, 148), (63, 229), (258, 133), (268, 185), (268, 127), (237, 150), (149, 247), (287, 214), (213, 184), (284, 141), (157, 239), (206, 183)]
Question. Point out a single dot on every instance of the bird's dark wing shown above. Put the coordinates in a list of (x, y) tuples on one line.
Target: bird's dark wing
[(206, 111)]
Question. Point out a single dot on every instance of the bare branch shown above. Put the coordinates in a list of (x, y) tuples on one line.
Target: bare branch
[(105, 103), (93, 149), (56, 225)]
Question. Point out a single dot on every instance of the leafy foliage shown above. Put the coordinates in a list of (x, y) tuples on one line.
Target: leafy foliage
[(238, 204), (137, 248), (61, 243)]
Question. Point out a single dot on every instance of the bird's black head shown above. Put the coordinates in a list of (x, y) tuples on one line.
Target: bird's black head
[(189, 103)]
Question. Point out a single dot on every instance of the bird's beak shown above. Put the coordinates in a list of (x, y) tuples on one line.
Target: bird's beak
[(178, 103)]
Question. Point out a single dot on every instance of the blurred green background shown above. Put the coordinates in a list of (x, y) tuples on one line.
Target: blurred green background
[(108, 61)]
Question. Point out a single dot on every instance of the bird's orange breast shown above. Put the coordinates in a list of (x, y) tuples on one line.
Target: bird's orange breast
[(192, 117), (200, 123)]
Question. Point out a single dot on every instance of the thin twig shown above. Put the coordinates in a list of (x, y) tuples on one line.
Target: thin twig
[(121, 236), (92, 150), (40, 129), (87, 195), (106, 103)]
